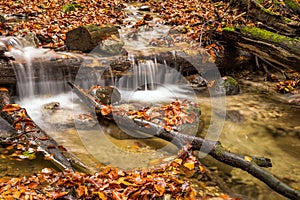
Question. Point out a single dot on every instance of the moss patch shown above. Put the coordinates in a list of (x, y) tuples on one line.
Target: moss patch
[(71, 7), (260, 34), (292, 4), (263, 34), (228, 28)]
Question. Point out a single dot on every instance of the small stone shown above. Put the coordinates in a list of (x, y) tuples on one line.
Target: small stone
[(52, 105), (231, 85)]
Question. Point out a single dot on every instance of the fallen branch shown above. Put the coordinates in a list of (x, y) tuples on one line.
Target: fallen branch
[(250, 164), (17, 117)]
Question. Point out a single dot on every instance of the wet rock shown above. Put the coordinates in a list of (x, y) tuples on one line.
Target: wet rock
[(106, 94), (6, 131), (52, 106), (44, 39), (295, 99), (110, 47), (9, 18), (231, 85), (2, 20), (86, 38)]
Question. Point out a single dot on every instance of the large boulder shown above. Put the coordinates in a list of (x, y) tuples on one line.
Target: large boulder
[(86, 38)]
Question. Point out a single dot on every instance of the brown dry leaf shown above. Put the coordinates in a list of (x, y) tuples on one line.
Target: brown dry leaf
[(28, 127)]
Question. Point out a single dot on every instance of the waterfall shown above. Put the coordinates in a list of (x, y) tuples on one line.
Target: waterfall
[(34, 70), (150, 81)]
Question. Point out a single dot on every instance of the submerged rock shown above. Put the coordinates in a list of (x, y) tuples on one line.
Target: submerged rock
[(234, 116)]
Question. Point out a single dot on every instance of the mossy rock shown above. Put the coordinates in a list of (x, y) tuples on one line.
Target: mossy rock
[(230, 85)]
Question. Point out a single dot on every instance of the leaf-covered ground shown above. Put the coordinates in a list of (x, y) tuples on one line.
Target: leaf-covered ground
[(51, 20), (112, 183)]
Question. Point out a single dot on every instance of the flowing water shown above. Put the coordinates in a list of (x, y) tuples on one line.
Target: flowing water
[(259, 122)]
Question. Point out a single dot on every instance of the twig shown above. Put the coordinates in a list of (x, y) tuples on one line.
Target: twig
[(238, 16)]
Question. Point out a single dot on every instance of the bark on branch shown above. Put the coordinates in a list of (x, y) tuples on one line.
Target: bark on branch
[(250, 164)]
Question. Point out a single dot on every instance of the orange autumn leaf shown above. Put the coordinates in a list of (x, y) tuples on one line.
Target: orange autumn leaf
[(160, 187), (189, 165), (11, 108), (105, 110), (2, 89)]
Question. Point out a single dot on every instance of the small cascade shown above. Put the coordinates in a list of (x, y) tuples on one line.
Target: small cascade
[(150, 81), (34, 70)]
